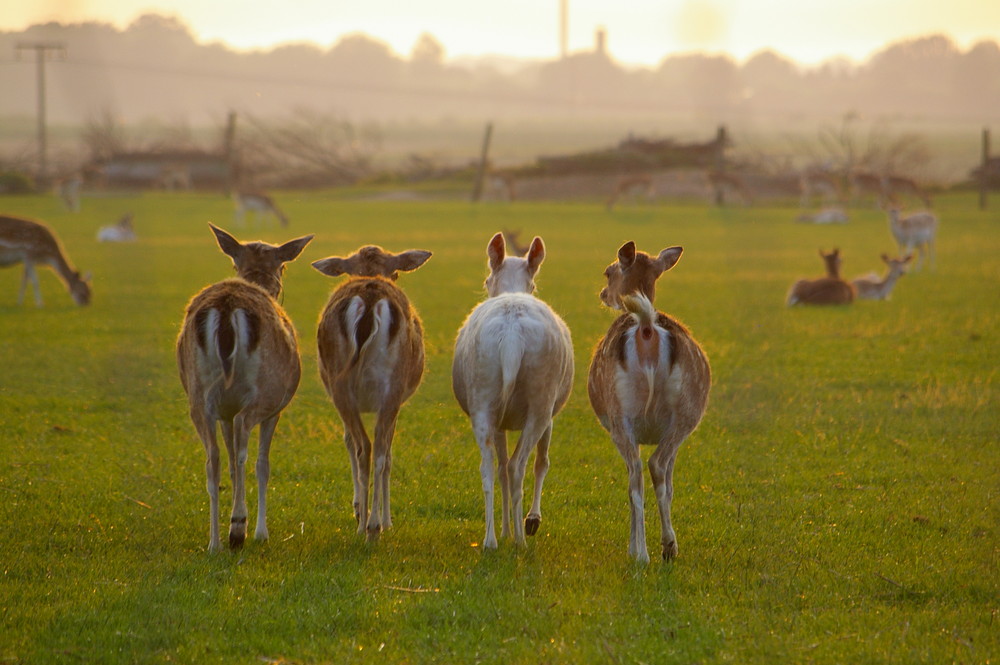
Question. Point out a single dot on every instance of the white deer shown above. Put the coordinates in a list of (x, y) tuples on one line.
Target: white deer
[(871, 287), (122, 231), (513, 370), (239, 364), (649, 382), (914, 231), (371, 359), (32, 243)]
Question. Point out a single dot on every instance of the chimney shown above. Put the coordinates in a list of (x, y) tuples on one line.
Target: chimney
[(600, 41)]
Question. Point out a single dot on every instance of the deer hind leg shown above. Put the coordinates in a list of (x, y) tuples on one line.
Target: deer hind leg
[(206, 431), (30, 274), (238, 521), (500, 447), (534, 427), (359, 448), (485, 436), (379, 517), (534, 518), (661, 470), (629, 451), (264, 474)]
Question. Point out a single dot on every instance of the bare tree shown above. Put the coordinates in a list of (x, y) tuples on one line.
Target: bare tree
[(103, 135)]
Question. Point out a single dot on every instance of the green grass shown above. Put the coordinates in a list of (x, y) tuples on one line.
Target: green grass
[(840, 502)]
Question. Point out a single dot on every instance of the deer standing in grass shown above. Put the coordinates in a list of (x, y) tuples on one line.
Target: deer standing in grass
[(33, 243), (512, 370), (632, 187), (721, 182), (371, 358), (260, 203), (827, 290), (239, 364), (871, 287), (649, 383), (914, 231)]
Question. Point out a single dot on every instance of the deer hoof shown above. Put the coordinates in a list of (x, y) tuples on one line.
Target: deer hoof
[(531, 525), (237, 532), (670, 551)]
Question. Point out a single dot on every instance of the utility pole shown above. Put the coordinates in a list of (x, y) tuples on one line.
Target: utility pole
[(41, 50)]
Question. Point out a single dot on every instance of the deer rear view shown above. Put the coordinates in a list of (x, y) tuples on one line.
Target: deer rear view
[(512, 370), (648, 384), (371, 359), (239, 364)]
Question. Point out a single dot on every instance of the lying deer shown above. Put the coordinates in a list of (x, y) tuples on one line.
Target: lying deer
[(30, 242), (513, 370), (122, 231), (371, 358), (239, 364), (649, 382), (914, 231), (871, 287), (828, 290)]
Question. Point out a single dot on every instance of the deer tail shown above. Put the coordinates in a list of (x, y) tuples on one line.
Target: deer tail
[(647, 339)]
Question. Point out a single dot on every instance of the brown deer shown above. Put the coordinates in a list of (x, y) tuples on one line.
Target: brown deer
[(632, 187), (649, 383), (871, 287), (896, 185), (918, 230), (239, 364), (371, 360), (723, 182), (32, 243), (828, 290), (512, 370)]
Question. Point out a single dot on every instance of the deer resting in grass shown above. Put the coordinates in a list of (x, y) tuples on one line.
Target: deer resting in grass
[(512, 370), (32, 243), (239, 364), (827, 290), (371, 359), (871, 287), (649, 383)]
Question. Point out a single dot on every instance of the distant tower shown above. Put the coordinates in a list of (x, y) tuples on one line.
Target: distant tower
[(563, 28)]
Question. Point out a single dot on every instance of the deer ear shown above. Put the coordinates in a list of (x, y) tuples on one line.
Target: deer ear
[(536, 254), (885, 257), (227, 243), (496, 250), (626, 254), (410, 260), (669, 257), (291, 249), (333, 266)]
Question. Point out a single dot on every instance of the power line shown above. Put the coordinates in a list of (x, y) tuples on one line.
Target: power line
[(42, 50)]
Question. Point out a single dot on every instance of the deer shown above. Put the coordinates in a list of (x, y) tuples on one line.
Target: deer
[(914, 231), (632, 187), (829, 215), (866, 183), (260, 203), (827, 290), (871, 287), (894, 185), (32, 243), (648, 384), (512, 370), (122, 231), (68, 189), (371, 359), (238, 360), (721, 182)]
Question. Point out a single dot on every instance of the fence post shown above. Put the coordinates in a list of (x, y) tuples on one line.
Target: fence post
[(484, 160), (984, 174)]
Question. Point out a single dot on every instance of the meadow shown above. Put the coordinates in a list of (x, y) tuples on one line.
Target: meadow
[(840, 502)]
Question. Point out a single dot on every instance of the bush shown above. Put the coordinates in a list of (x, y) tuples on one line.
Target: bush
[(16, 183)]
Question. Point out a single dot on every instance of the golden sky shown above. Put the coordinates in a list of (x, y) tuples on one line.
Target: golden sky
[(638, 31)]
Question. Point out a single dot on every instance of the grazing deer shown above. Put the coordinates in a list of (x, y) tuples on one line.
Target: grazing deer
[(649, 382), (238, 359), (816, 183), (261, 204), (371, 359), (721, 182), (828, 290), (895, 185), (914, 231), (871, 287), (512, 370), (31, 242), (122, 231), (866, 183), (632, 187), (513, 240)]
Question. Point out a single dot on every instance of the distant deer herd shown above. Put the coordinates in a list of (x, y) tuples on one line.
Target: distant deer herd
[(513, 361)]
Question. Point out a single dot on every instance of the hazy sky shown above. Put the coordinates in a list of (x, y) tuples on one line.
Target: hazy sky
[(638, 31)]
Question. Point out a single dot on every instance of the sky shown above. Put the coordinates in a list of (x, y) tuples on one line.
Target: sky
[(638, 32)]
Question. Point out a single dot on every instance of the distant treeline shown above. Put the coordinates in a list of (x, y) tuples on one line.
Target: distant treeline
[(155, 68)]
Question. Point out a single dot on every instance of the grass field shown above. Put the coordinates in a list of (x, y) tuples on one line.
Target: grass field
[(840, 502)]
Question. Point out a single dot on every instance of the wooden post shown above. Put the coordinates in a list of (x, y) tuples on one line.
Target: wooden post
[(229, 149), (484, 160), (984, 174), (720, 160)]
